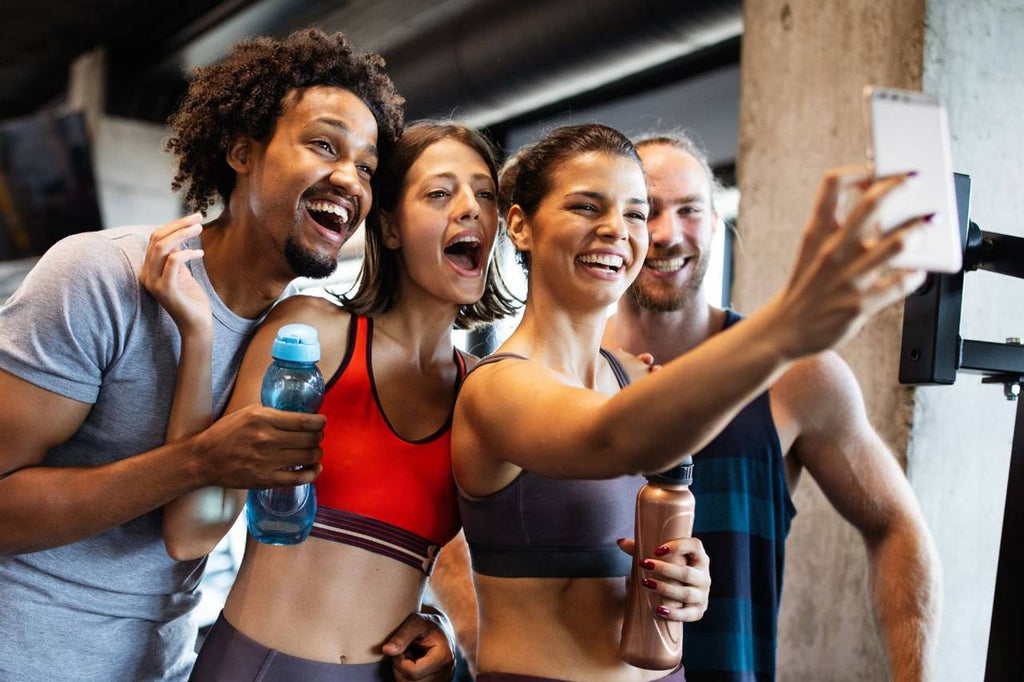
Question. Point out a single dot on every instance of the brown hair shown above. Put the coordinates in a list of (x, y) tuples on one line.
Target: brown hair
[(528, 179), (245, 94), (378, 279), (682, 141)]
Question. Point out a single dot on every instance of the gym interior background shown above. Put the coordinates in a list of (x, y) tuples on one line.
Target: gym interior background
[(770, 87)]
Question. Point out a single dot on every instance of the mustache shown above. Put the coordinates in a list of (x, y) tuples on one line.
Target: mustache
[(655, 253)]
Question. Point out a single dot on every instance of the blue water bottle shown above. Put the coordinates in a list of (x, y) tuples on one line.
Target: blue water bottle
[(284, 516)]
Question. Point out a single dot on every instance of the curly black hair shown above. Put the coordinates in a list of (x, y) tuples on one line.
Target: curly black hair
[(245, 93)]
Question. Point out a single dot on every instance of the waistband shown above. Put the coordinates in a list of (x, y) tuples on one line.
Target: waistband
[(375, 536), (674, 676), (229, 656), (538, 562)]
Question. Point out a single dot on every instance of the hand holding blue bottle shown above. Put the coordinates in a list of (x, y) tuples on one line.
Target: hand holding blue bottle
[(284, 516)]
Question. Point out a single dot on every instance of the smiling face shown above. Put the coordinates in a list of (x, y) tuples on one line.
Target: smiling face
[(682, 227), (588, 236), (308, 186), (445, 223)]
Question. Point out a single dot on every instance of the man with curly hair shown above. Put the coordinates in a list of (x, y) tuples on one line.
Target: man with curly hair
[(286, 134)]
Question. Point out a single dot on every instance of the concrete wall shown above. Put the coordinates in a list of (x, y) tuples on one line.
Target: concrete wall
[(804, 66), (960, 447)]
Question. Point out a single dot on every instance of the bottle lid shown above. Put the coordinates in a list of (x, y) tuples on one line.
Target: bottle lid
[(296, 343), (680, 474)]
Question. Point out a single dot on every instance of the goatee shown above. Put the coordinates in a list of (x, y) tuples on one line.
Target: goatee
[(307, 263)]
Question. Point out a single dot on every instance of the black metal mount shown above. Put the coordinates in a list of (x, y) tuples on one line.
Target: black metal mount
[(933, 352)]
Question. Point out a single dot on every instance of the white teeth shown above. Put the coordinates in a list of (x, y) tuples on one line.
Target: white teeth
[(666, 265), (469, 238), (607, 259), (329, 207)]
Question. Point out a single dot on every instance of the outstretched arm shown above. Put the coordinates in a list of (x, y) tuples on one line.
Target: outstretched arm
[(860, 477), (839, 281)]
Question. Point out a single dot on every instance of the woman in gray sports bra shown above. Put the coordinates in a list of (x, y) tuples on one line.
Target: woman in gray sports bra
[(548, 439)]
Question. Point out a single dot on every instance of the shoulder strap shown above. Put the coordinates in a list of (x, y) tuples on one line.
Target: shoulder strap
[(617, 369), (496, 357)]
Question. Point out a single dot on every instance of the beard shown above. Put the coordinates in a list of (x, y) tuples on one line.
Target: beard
[(665, 297), (306, 262)]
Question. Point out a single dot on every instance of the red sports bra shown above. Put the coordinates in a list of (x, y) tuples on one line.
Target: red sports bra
[(377, 490)]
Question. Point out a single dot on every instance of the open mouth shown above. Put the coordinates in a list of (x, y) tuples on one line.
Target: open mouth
[(465, 253), (667, 265), (607, 263), (329, 215)]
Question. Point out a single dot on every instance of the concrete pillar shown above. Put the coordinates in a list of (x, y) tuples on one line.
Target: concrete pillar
[(959, 451), (804, 65)]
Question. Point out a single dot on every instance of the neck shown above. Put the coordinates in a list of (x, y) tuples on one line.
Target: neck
[(666, 335), (565, 341), (421, 324), (247, 274)]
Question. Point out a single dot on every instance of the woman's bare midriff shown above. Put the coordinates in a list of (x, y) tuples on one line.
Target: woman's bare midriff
[(322, 600), (565, 628)]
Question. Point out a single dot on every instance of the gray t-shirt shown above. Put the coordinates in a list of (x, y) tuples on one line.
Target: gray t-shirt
[(114, 606)]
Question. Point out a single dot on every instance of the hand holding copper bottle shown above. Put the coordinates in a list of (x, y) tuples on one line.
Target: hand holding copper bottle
[(652, 635)]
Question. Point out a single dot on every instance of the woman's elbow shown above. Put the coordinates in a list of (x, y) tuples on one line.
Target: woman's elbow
[(185, 549)]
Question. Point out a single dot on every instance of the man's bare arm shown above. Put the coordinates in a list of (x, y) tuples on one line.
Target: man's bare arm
[(452, 585), (43, 507), (863, 481)]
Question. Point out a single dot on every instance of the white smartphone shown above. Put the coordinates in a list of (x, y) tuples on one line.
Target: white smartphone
[(909, 132)]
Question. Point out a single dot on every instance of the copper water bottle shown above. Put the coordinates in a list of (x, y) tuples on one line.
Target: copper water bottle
[(664, 511)]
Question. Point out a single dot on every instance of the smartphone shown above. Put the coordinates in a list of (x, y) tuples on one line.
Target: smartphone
[(908, 131)]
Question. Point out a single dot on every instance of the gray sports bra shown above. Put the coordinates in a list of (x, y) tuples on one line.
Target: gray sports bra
[(540, 527)]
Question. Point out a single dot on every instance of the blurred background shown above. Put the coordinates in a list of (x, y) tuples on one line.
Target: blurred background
[(771, 89)]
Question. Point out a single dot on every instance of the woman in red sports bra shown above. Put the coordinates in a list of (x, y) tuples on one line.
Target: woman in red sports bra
[(324, 608), (547, 438)]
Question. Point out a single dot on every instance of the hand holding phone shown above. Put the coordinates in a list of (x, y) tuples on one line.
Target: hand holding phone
[(909, 132)]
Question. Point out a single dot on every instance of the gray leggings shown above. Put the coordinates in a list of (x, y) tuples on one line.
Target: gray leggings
[(229, 656)]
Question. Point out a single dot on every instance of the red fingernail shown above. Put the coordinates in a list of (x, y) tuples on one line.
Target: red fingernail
[(647, 563), (912, 174), (661, 551), (649, 584), (662, 611), (930, 217)]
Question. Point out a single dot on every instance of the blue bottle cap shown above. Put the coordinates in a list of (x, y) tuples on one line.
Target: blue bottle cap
[(296, 343)]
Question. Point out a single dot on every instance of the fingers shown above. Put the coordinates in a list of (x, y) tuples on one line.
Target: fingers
[(892, 287), (420, 649), (689, 551), (865, 209), (164, 254), (291, 421), (684, 614), (695, 576), (886, 248), (832, 184), (281, 478), (681, 577), (627, 545), (412, 627), (174, 226), (435, 663)]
